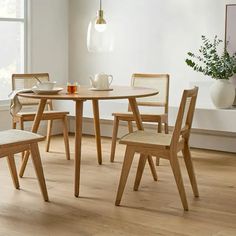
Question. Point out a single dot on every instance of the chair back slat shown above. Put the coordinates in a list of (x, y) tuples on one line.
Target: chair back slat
[(186, 110), (154, 81), (27, 81), (185, 116)]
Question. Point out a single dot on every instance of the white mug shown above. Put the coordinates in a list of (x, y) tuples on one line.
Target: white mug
[(101, 81)]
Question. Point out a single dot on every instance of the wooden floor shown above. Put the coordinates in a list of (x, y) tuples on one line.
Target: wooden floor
[(154, 210)]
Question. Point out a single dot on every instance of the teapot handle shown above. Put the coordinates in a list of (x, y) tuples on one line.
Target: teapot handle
[(111, 79), (91, 80)]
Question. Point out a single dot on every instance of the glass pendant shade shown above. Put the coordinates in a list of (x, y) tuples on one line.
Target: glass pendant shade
[(99, 37)]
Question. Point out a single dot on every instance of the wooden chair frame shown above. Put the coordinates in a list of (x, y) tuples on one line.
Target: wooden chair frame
[(49, 115), (18, 145), (160, 119), (165, 146)]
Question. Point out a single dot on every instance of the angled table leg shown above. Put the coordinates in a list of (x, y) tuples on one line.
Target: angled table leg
[(34, 129), (97, 130), (137, 117), (78, 137), (135, 110)]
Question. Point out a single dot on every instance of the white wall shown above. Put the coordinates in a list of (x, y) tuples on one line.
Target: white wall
[(48, 38), (150, 36), (153, 36)]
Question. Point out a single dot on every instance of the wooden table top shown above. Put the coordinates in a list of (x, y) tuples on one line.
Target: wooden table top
[(84, 93)]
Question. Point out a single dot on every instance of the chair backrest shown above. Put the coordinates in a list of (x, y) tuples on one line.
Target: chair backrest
[(26, 81), (184, 119), (156, 81)]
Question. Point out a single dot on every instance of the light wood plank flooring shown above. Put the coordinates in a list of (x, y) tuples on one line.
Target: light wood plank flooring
[(154, 210)]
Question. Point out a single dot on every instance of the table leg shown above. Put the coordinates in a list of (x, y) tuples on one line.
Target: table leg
[(78, 137), (137, 117), (97, 130), (135, 110), (34, 129)]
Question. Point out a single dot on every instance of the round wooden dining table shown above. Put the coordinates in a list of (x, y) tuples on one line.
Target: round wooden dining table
[(84, 94)]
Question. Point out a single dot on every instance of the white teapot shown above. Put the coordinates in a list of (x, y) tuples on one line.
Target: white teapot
[(101, 81)]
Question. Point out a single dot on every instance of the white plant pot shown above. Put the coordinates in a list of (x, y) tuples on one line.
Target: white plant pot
[(233, 81), (222, 93)]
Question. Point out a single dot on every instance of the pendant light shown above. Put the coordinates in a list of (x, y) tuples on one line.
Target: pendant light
[(99, 38), (100, 24)]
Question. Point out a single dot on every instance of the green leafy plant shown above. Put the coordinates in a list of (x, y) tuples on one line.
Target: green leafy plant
[(210, 63)]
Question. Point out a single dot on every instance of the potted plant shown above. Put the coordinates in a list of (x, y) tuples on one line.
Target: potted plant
[(219, 66)]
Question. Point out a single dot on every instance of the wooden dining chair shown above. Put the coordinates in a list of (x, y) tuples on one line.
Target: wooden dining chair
[(15, 141), (165, 146), (161, 100), (25, 81)]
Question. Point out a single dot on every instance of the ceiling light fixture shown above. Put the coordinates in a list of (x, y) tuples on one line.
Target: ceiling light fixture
[(99, 37), (100, 24)]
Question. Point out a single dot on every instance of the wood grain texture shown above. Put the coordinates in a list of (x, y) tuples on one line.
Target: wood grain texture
[(139, 173), (154, 210), (118, 92), (66, 137), (136, 114), (114, 135), (166, 146), (27, 81), (97, 129), (16, 141), (39, 169), (78, 140), (12, 168), (86, 94), (154, 81), (34, 129), (48, 136), (128, 159)]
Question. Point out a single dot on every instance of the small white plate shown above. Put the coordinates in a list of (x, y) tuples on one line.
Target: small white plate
[(97, 89), (44, 91)]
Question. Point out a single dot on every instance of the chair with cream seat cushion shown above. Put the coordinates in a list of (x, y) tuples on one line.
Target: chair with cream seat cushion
[(16, 141), (159, 101), (26, 81), (164, 146)]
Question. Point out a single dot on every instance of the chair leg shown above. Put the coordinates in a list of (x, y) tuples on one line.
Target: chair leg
[(189, 165), (48, 139), (159, 130), (139, 173), (130, 127), (12, 167), (152, 167), (24, 163), (66, 138), (22, 128), (21, 124), (129, 156), (97, 130), (13, 124), (39, 169), (159, 127), (166, 128), (114, 138), (179, 180), (22, 155)]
